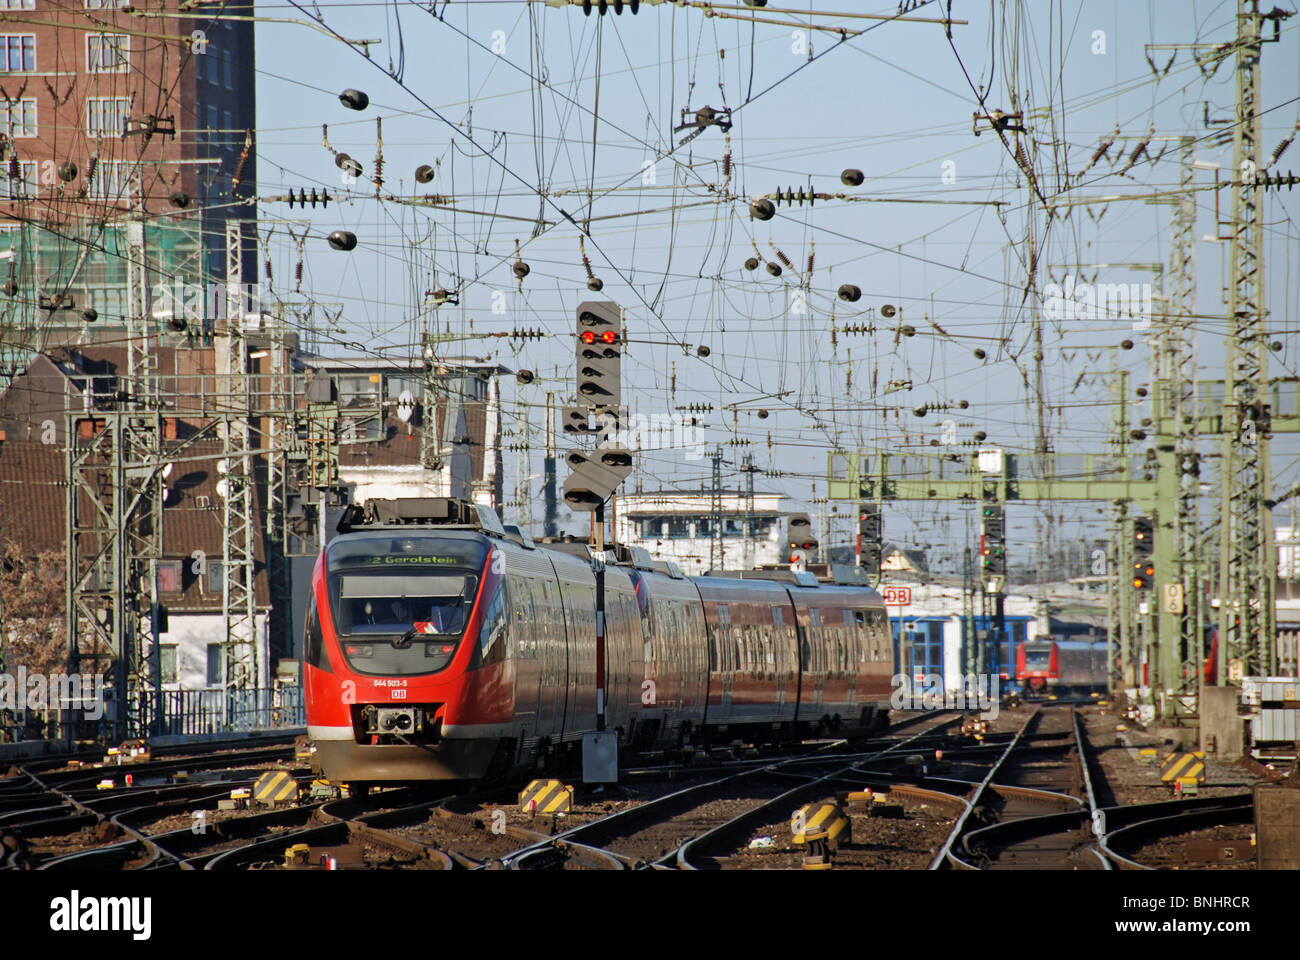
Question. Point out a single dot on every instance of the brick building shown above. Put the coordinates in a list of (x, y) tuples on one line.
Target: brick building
[(112, 115)]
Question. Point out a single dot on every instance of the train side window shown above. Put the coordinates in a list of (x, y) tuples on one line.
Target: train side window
[(712, 632), (313, 646), (490, 647)]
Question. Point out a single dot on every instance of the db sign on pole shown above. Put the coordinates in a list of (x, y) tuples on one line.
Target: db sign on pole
[(898, 596), (1171, 596)]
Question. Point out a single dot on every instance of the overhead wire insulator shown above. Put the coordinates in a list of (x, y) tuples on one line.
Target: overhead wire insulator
[(520, 268), (594, 283), (243, 161)]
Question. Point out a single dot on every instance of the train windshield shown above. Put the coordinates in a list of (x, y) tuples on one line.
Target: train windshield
[(386, 584), (387, 603), (1037, 659)]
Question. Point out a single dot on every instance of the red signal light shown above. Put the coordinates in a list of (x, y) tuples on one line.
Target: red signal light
[(587, 336), (609, 336)]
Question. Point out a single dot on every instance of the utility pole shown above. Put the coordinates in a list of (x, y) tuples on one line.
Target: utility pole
[(550, 506), (750, 553), (969, 637), (141, 446), (1178, 587), (716, 559), (523, 461), (238, 586), (1247, 569), (279, 401)]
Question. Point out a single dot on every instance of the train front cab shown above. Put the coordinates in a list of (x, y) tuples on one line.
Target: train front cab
[(1037, 669), (403, 651)]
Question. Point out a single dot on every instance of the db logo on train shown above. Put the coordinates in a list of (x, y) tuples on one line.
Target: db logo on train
[(898, 596)]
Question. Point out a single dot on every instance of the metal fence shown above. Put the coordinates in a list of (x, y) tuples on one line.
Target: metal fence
[(209, 711), (220, 710)]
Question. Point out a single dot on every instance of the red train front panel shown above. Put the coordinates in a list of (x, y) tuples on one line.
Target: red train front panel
[(404, 661), (1036, 666)]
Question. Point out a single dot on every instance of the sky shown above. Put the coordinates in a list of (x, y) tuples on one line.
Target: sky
[(509, 100)]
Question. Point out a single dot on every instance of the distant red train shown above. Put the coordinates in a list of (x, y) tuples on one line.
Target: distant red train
[(1061, 666), (440, 645)]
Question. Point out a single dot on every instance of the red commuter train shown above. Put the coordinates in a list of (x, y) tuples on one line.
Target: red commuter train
[(1047, 665), (440, 645)]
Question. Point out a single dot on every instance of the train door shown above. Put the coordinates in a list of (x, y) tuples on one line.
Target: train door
[(726, 635), (854, 621), (691, 652), (817, 648), (524, 647), (554, 663)]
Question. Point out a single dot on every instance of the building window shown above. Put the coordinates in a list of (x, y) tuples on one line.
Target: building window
[(19, 52), (216, 665), (105, 4), (169, 658), (112, 180), (22, 189), (107, 116), (212, 117), (169, 576), (229, 68), (108, 52), (18, 118), (17, 4), (216, 584)]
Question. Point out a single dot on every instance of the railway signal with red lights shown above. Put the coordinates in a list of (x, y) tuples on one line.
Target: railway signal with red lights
[(801, 545), (600, 353), (1144, 569), (1144, 540), (1144, 575)]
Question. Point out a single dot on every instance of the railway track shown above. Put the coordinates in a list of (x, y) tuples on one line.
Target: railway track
[(1030, 809), (1126, 830), (688, 828), (1036, 806)]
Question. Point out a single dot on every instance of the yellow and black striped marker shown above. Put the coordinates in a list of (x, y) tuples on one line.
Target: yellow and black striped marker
[(1181, 766), (275, 786), (821, 821), (546, 796)]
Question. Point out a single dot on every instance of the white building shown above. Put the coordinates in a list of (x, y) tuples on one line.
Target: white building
[(677, 525)]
